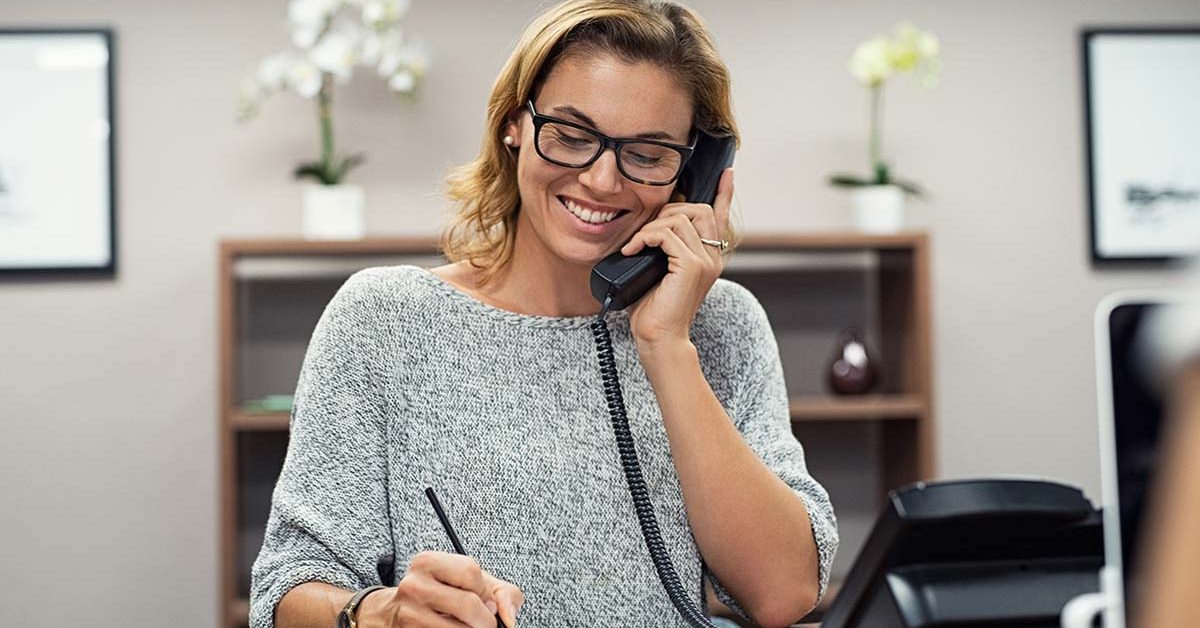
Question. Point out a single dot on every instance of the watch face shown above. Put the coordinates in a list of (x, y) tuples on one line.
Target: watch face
[(344, 620)]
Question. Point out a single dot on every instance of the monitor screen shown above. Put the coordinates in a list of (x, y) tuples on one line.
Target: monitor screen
[(1137, 420)]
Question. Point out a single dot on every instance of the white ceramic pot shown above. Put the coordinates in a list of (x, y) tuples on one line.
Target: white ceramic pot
[(333, 212), (878, 208)]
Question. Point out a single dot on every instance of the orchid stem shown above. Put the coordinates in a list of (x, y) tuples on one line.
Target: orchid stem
[(325, 115), (876, 129)]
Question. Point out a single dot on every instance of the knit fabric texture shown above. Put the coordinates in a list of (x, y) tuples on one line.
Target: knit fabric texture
[(409, 382)]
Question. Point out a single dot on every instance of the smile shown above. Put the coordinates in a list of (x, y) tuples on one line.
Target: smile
[(591, 216)]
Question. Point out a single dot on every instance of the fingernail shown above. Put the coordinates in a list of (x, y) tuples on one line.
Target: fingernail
[(491, 606)]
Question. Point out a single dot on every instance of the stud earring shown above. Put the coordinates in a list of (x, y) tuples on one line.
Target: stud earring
[(508, 140)]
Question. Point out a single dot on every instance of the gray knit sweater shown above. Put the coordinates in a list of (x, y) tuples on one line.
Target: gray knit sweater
[(409, 382)]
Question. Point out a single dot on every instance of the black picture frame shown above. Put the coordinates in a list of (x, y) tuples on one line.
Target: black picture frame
[(69, 267), (1098, 209)]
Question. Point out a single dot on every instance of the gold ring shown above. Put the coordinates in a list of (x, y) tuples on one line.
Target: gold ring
[(720, 244)]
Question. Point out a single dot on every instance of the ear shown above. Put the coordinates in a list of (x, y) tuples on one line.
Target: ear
[(513, 127)]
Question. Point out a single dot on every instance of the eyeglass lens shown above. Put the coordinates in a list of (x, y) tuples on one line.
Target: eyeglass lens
[(574, 147)]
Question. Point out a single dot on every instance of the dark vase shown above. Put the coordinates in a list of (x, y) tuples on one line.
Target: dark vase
[(852, 370)]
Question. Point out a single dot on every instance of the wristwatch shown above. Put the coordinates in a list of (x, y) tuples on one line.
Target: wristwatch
[(348, 617)]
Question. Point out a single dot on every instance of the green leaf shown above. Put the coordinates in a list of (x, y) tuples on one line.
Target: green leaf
[(328, 173), (848, 180), (346, 164), (911, 188), (313, 169)]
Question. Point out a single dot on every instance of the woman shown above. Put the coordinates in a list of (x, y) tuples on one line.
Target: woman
[(480, 379)]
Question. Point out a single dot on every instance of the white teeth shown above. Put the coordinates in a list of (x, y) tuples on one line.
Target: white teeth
[(587, 215)]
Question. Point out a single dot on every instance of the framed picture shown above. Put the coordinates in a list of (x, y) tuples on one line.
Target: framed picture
[(57, 152), (1141, 95)]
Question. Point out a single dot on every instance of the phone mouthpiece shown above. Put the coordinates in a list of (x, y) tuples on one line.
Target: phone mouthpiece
[(624, 279)]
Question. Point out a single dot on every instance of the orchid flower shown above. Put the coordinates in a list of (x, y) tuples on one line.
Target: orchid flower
[(876, 60), (329, 39)]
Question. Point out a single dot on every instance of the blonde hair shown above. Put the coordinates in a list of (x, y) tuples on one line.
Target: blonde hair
[(482, 228)]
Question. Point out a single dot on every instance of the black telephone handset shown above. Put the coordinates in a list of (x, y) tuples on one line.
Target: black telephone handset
[(626, 278), (616, 282)]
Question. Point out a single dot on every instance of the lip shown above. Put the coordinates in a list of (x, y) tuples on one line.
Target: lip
[(590, 205), (587, 227)]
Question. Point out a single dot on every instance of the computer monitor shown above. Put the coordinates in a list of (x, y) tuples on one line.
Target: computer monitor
[(1130, 410)]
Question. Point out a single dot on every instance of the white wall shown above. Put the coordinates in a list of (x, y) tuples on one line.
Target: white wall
[(107, 388)]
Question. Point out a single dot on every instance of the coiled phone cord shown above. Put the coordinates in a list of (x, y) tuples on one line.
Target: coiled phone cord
[(633, 476)]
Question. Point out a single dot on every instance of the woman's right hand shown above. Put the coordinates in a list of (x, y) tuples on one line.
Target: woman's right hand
[(442, 590)]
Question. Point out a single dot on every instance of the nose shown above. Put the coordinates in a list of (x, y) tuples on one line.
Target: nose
[(603, 175)]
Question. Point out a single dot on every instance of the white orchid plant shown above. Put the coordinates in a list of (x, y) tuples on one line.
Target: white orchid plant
[(330, 38), (909, 50)]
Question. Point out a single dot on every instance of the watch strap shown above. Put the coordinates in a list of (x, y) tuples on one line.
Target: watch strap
[(348, 617)]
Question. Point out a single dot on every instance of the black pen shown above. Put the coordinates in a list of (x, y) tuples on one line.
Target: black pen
[(458, 548)]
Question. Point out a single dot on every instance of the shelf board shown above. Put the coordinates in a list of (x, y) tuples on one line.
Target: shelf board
[(860, 408), (298, 267), (391, 245), (365, 246), (832, 240), (239, 612), (749, 259), (259, 421)]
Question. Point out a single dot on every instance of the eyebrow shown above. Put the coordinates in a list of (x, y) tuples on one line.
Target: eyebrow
[(584, 118)]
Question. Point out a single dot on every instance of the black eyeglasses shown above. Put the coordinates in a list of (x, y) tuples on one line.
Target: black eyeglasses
[(568, 144)]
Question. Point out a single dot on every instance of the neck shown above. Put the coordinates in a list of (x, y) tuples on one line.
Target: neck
[(538, 282)]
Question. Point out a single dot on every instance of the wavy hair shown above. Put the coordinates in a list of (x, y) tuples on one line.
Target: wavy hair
[(482, 227)]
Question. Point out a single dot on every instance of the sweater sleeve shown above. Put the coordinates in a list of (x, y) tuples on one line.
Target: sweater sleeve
[(759, 409), (329, 517)]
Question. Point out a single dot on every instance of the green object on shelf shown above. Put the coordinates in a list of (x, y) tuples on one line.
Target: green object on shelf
[(270, 403)]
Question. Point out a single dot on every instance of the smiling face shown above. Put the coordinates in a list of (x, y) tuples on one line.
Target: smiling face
[(569, 212)]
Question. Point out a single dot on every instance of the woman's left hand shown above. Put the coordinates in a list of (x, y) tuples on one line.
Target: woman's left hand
[(665, 313)]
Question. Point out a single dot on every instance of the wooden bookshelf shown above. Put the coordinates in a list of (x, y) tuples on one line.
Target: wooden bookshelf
[(238, 612), (865, 408), (260, 422), (276, 288)]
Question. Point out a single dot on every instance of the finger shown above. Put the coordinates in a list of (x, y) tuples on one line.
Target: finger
[(508, 613), (722, 204), (686, 229), (646, 238), (701, 224), (680, 223), (671, 244), (702, 216), (462, 606), (455, 570), (509, 600), (429, 617), (428, 594), (682, 226)]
